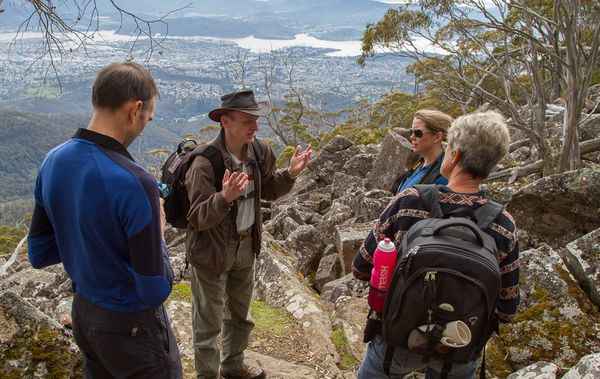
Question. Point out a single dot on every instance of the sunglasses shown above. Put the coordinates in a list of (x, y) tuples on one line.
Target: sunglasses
[(419, 133)]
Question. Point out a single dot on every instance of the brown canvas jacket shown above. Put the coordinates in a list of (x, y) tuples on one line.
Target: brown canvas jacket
[(212, 222)]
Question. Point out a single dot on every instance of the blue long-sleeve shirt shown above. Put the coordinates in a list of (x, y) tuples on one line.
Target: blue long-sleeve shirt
[(97, 212)]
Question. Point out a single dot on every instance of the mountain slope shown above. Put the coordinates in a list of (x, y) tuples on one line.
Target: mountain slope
[(25, 139)]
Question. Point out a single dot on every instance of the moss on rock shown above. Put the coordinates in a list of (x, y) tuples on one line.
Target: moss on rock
[(181, 292), (42, 346), (347, 361), (543, 332)]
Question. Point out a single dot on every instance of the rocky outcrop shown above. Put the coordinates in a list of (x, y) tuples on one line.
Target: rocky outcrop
[(350, 316), (582, 257), (558, 209), (32, 344), (348, 238), (329, 269), (539, 370), (394, 159), (555, 323), (278, 284), (587, 368), (331, 159), (347, 285), (310, 239), (306, 244)]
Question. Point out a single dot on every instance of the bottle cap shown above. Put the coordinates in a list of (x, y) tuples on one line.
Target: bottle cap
[(386, 245)]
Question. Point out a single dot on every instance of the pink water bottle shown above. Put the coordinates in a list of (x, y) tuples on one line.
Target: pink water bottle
[(384, 261)]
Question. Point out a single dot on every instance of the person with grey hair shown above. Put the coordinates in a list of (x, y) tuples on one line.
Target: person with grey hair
[(482, 139), (476, 143)]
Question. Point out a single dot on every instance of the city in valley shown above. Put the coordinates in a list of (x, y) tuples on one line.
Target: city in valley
[(192, 73)]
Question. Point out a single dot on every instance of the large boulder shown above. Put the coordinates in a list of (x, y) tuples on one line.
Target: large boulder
[(317, 200), (330, 159), (281, 226), (582, 257), (558, 209), (359, 165), (348, 238), (305, 242), (337, 214), (587, 368), (369, 205), (350, 317), (278, 284), (344, 184), (590, 127), (394, 159), (538, 370), (347, 285), (34, 345), (555, 322), (329, 269), (42, 288)]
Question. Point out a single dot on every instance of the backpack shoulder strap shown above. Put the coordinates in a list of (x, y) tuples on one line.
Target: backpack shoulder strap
[(216, 160), (257, 153), (487, 213), (429, 195)]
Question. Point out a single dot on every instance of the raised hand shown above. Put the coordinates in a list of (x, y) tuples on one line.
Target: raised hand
[(233, 185), (299, 160)]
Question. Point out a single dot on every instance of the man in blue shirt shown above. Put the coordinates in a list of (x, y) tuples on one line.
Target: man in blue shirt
[(98, 212)]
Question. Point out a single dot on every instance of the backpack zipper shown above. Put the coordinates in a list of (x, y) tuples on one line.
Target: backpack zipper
[(429, 287), (451, 249), (430, 276)]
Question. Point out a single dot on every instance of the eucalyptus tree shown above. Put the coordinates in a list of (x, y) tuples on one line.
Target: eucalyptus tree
[(508, 53)]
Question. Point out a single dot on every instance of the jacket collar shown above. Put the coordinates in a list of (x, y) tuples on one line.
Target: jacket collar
[(220, 141), (104, 141)]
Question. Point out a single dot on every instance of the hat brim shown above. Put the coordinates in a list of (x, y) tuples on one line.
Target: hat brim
[(262, 109)]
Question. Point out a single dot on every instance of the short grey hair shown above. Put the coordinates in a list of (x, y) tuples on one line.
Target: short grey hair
[(483, 140)]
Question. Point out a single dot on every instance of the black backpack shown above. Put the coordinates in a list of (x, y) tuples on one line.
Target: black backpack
[(441, 302), (176, 200)]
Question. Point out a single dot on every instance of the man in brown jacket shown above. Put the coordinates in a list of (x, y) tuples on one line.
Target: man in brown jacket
[(224, 234)]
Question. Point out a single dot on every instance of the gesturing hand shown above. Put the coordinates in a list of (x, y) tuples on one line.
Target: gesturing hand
[(233, 185), (299, 160)]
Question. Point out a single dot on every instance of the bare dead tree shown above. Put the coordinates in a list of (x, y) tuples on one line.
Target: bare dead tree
[(239, 68), (68, 26), (289, 63), (265, 69)]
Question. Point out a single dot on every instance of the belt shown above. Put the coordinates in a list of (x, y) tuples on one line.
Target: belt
[(245, 234)]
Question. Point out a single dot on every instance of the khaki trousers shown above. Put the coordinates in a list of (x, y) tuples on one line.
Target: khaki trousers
[(222, 306)]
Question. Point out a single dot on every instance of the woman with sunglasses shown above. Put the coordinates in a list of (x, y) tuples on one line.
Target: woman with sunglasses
[(428, 131)]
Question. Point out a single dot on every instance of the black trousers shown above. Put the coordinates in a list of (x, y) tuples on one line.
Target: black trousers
[(125, 345)]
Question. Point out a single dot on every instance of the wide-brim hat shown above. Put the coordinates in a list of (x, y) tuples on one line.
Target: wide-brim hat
[(242, 101)]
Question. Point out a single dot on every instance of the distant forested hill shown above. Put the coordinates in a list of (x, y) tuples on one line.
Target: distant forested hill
[(24, 140), (26, 137)]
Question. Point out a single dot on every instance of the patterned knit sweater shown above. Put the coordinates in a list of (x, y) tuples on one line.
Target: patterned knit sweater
[(407, 208)]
